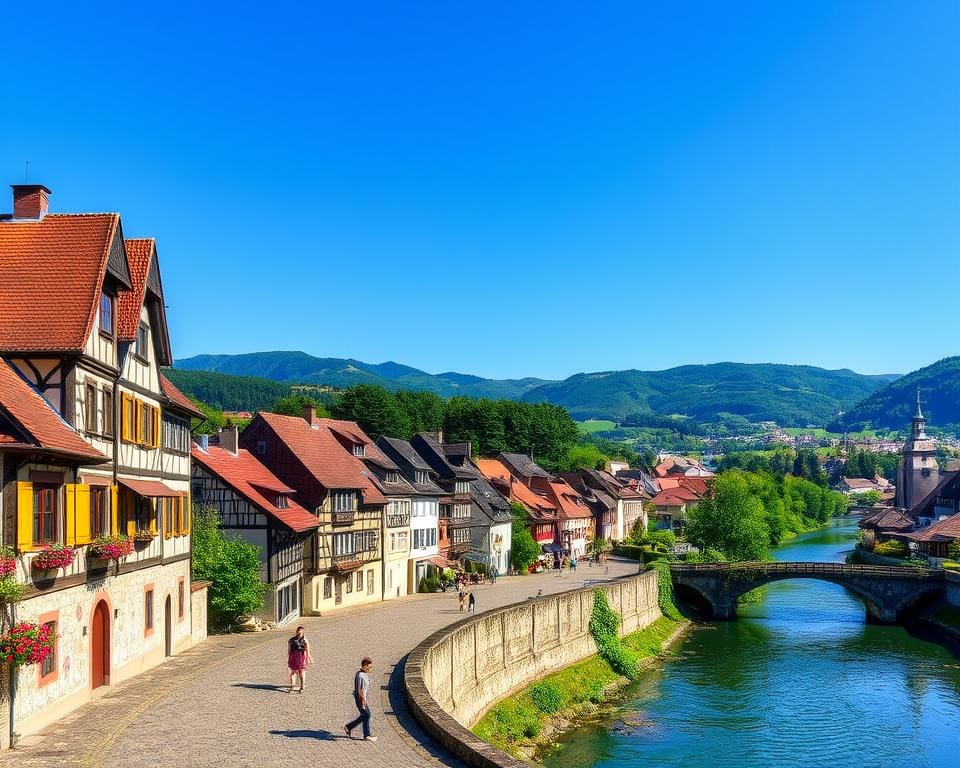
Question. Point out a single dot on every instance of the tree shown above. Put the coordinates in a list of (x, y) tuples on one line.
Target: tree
[(524, 549), (376, 411), (293, 405), (213, 422), (231, 564), (585, 456), (731, 520)]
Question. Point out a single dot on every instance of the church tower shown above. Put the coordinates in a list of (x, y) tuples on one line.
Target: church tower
[(917, 474)]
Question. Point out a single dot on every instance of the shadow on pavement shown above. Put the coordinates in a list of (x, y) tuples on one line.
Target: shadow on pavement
[(261, 686), (303, 733)]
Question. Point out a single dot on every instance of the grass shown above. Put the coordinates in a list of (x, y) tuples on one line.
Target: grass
[(592, 426), (949, 615), (517, 721)]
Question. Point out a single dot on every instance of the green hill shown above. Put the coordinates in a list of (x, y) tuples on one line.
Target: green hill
[(228, 393), (791, 395), (340, 373), (892, 406)]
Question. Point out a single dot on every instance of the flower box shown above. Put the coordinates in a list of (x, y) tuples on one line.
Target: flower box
[(144, 535), (26, 644), (52, 558), (8, 565), (110, 547)]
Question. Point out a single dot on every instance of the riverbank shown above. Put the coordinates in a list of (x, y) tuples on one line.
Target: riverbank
[(527, 723)]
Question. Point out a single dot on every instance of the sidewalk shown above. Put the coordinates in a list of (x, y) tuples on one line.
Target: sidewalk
[(224, 703)]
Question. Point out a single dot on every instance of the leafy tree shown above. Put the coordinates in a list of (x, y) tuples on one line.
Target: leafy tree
[(293, 405), (524, 549), (376, 410), (583, 455), (231, 564), (213, 422), (732, 520), (424, 409), (807, 466)]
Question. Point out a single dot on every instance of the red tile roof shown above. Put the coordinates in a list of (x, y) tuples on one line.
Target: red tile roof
[(695, 485), (323, 455), (493, 469), (947, 529), (41, 426), (672, 497), (531, 500), (249, 478), (129, 303), (352, 431), (53, 272), (570, 502), (179, 399)]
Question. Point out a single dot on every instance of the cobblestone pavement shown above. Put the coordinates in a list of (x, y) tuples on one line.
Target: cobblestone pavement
[(224, 703)]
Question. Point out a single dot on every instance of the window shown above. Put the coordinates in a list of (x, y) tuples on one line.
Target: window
[(366, 541), (393, 542), (359, 581), (402, 540), (108, 412), (343, 544), (327, 588), (90, 409), (348, 582), (146, 518), (181, 598), (282, 502), (140, 348), (99, 511), (358, 450), (462, 486), (393, 477), (46, 514), (148, 611), (262, 447), (369, 582), (176, 434), (48, 669), (344, 501), (421, 477), (461, 511), (170, 512), (106, 313), (146, 424)]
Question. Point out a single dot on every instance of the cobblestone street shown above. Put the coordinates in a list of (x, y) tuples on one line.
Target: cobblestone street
[(225, 703)]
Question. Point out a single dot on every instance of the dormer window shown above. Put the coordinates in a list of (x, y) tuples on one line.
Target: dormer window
[(140, 347), (281, 502), (421, 477), (106, 313), (393, 477), (358, 449), (344, 501)]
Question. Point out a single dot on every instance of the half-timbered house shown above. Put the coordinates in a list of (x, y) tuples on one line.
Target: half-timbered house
[(83, 328), (253, 504)]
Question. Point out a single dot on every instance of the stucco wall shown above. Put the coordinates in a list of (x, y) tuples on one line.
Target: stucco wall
[(454, 676)]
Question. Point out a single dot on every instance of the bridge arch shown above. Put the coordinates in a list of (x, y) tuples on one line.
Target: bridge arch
[(887, 592)]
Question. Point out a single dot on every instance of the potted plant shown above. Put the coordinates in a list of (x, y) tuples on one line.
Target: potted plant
[(11, 590), (8, 561), (110, 547), (26, 643), (53, 557)]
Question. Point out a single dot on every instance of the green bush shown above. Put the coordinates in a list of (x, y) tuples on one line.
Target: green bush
[(891, 548), (604, 626), (668, 605), (662, 538), (429, 584), (951, 565), (547, 698)]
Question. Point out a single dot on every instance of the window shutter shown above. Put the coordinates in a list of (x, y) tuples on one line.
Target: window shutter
[(186, 509), (126, 411), (82, 526), (24, 516), (156, 427), (167, 505), (114, 512), (153, 519), (138, 429), (70, 518)]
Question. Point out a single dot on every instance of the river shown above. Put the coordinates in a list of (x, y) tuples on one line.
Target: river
[(798, 679)]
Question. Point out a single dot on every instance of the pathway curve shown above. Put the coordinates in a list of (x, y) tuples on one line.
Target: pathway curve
[(223, 703)]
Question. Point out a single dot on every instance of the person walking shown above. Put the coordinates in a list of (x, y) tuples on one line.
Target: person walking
[(462, 599), (573, 564), (473, 602), (493, 575), (361, 691), (298, 657)]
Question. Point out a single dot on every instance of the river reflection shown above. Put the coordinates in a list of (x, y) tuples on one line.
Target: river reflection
[(798, 680)]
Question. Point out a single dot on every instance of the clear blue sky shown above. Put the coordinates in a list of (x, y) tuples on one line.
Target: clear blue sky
[(513, 188)]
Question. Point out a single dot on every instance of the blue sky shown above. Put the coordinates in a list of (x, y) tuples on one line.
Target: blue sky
[(515, 189)]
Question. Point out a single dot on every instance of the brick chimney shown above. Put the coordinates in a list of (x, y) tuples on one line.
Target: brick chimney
[(310, 414), (30, 201)]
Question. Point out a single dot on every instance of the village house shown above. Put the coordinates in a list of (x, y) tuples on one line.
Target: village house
[(424, 559), (542, 514), (94, 443), (343, 565), (629, 501), (253, 504), (680, 465)]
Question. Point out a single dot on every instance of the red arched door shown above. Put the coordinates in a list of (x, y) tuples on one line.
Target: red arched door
[(100, 646)]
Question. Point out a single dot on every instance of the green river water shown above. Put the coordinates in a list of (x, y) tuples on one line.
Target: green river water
[(798, 679)]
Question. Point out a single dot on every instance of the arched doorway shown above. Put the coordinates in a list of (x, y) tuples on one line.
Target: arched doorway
[(168, 627), (100, 646)]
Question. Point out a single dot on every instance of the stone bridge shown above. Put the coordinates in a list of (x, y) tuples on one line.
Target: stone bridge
[(889, 592)]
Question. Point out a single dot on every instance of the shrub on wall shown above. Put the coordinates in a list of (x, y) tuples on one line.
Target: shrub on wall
[(668, 605), (547, 698), (604, 626)]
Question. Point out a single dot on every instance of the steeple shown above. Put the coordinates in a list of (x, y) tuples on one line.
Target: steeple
[(919, 422)]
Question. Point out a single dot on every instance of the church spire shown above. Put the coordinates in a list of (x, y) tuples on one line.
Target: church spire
[(919, 413), (919, 422)]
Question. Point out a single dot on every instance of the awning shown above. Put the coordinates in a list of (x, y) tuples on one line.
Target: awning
[(150, 488), (440, 562), (97, 480)]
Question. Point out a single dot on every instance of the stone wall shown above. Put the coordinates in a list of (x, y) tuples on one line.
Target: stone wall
[(455, 675), (953, 588)]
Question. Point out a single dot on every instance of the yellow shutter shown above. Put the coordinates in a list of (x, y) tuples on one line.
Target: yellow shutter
[(126, 411), (114, 512), (166, 506), (156, 427), (153, 518), (186, 510), (82, 526), (24, 516), (138, 427), (69, 533)]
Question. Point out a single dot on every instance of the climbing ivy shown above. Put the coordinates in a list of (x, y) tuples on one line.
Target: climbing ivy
[(668, 606), (604, 626)]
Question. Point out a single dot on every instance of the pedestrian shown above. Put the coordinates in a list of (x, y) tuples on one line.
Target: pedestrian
[(473, 602), (298, 657), (361, 691), (493, 575), (573, 564), (462, 599)]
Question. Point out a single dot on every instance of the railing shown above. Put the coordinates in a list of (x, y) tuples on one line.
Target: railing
[(343, 518), (838, 569), (459, 548), (398, 521)]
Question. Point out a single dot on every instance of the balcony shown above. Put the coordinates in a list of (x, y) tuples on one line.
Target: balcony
[(347, 562), (459, 522), (398, 521), (344, 518), (456, 549)]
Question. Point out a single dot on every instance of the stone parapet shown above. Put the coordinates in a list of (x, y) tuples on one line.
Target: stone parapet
[(456, 674)]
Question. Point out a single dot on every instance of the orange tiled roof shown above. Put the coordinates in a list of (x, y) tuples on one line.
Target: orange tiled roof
[(673, 497), (177, 397), (323, 455), (493, 469), (139, 256), (52, 272), (41, 426), (531, 499), (251, 479), (947, 529), (567, 499)]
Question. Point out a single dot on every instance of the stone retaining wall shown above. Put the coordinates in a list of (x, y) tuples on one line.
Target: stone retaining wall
[(456, 674)]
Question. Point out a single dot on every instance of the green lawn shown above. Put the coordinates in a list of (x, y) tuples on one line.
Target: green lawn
[(592, 426)]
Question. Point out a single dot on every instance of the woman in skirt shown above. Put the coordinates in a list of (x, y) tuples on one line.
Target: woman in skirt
[(298, 657)]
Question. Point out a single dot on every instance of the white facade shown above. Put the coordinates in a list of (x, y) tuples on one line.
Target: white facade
[(424, 524)]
